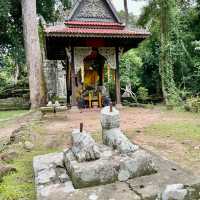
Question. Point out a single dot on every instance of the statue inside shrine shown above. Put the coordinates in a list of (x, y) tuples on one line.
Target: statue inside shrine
[(90, 80), (93, 69)]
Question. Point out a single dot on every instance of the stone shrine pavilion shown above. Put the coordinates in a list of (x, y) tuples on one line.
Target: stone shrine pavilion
[(89, 45)]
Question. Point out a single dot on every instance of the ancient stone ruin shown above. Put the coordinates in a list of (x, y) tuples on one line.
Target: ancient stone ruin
[(116, 169)]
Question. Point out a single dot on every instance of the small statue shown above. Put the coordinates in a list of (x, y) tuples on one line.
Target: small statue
[(57, 104), (50, 104)]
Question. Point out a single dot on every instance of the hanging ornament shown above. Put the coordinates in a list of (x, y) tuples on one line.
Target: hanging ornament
[(82, 74), (108, 71), (113, 74)]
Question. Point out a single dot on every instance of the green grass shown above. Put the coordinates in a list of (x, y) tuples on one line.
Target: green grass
[(20, 185), (6, 115), (177, 130)]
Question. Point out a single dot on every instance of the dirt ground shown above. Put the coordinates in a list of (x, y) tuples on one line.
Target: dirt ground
[(131, 119), (53, 131), (9, 126)]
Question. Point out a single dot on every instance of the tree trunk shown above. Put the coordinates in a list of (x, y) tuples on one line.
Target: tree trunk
[(33, 54), (16, 74), (163, 54), (126, 12), (170, 93)]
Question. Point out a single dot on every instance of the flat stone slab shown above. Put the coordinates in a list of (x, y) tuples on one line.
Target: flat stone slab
[(45, 161), (51, 109), (150, 187), (169, 173), (116, 191), (55, 191), (51, 177)]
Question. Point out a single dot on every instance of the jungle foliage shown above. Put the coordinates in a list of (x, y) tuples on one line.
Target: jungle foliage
[(171, 55), (13, 71)]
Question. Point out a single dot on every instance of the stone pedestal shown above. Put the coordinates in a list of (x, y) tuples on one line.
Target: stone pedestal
[(93, 173), (111, 132), (109, 119), (109, 168)]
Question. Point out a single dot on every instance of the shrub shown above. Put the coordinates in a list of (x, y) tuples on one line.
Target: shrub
[(193, 104), (142, 94)]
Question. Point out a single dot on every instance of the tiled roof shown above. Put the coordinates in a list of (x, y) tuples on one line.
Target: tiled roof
[(62, 31)]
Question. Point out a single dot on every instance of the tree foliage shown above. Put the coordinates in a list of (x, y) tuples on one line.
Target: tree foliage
[(12, 55), (130, 69), (174, 26)]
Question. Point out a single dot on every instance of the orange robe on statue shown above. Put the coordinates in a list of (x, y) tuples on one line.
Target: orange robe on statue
[(91, 78)]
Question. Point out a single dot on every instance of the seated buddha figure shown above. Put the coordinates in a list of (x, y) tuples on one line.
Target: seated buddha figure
[(91, 78), (93, 66)]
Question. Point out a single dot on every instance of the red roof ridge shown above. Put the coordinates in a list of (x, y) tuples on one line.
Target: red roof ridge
[(92, 24)]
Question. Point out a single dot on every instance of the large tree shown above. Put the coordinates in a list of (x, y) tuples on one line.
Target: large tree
[(162, 17), (167, 21), (33, 53)]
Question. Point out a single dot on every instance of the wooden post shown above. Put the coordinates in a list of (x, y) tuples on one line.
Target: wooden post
[(90, 100), (117, 78), (73, 97), (66, 77), (81, 127), (111, 107), (69, 74)]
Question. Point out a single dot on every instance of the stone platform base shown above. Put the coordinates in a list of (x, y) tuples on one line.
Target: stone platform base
[(52, 182), (111, 167), (45, 110)]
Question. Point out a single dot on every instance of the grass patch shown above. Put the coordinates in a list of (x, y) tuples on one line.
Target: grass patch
[(185, 133), (177, 130), (20, 185), (6, 115)]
